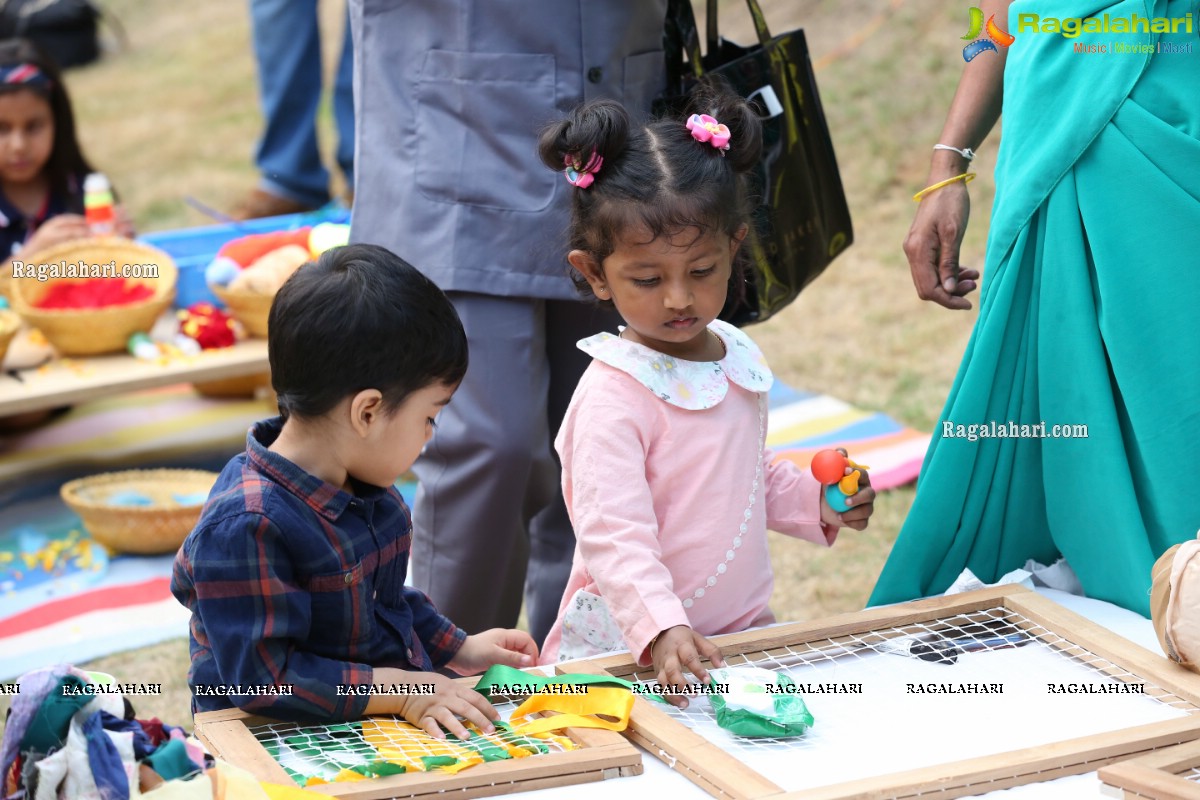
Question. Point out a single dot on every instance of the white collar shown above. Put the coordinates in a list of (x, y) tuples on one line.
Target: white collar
[(692, 385)]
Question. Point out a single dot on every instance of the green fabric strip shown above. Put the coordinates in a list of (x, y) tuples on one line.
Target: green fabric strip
[(501, 675)]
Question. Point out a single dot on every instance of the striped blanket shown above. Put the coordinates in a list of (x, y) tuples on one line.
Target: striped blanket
[(63, 598)]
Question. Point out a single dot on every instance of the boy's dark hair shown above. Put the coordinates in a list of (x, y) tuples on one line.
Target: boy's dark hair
[(360, 317), (67, 166), (656, 175)]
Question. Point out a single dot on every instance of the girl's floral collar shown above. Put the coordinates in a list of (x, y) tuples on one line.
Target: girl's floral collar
[(692, 385)]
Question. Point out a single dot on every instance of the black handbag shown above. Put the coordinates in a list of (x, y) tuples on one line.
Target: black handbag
[(802, 222), (67, 30)]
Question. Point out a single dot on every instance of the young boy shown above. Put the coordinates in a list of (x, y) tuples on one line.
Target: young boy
[(295, 572)]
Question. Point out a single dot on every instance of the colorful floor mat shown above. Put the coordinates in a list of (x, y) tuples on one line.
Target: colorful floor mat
[(801, 423), (64, 598)]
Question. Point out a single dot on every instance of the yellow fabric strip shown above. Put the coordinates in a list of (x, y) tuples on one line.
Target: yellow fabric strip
[(575, 711), (389, 738), (276, 792)]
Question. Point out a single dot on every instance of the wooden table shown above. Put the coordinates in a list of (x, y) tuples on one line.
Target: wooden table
[(70, 381)]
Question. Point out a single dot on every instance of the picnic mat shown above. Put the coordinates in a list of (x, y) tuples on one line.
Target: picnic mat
[(63, 598)]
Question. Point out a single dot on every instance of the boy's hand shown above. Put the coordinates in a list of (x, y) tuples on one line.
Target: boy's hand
[(496, 646), (433, 712), (679, 647), (862, 504)]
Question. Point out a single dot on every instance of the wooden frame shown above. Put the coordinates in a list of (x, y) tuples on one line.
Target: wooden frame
[(723, 775), (602, 754), (1156, 775)]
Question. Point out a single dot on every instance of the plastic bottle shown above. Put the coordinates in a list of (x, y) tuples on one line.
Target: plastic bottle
[(98, 205)]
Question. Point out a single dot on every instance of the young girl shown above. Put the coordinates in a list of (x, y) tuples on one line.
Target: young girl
[(41, 164), (42, 169), (665, 473)]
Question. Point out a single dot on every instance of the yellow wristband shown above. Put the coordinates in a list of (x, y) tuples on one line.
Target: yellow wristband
[(966, 177)]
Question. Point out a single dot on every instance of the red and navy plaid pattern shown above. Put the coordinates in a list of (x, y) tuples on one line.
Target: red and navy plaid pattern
[(293, 581)]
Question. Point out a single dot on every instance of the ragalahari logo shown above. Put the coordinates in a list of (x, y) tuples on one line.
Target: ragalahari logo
[(994, 35)]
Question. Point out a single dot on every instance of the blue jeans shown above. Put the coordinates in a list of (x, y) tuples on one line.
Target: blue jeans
[(287, 47)]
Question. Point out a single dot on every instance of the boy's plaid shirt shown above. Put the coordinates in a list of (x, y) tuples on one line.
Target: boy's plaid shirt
[(293, 582)]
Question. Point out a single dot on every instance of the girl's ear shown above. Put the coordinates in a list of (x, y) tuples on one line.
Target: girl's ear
[(738, 237), (589, 268)]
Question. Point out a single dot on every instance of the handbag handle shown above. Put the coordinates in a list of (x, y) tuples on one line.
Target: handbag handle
[(681, 37), (760, 24)]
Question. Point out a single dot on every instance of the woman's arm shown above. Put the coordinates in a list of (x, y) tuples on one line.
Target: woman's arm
[(933, 241)]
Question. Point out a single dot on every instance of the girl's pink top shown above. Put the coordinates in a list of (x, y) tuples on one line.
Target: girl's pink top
[(659, 462)]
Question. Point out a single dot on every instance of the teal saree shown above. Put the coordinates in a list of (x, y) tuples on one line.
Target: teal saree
[(1088, 316)]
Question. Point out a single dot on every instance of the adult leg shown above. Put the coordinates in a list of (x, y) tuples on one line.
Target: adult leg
[(287, 49), (551, 538), (343, 105), (478, 483)]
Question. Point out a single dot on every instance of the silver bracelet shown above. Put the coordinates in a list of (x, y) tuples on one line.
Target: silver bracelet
[(966, 152)]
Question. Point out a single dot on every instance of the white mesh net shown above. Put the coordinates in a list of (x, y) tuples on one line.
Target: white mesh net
[(381, 746), (927, 693)]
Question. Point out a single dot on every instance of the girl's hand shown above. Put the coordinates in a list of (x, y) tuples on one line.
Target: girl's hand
[(932, 246), (496, 646), (862, 505), (679, 647), (57, 230), (433, 712)]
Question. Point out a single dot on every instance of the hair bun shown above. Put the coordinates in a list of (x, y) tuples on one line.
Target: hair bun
[(714, 97), (596, 130)]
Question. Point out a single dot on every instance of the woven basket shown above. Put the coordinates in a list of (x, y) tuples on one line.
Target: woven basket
[(149, 529), (249, 308), (10, 323), (92, 331)]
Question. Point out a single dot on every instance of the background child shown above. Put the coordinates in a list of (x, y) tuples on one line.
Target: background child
[(41, 169), (295, 572), (665, 473), (42, 166)]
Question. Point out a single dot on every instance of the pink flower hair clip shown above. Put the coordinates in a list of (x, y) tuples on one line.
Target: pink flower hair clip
[(582, 175), (706, 129)]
